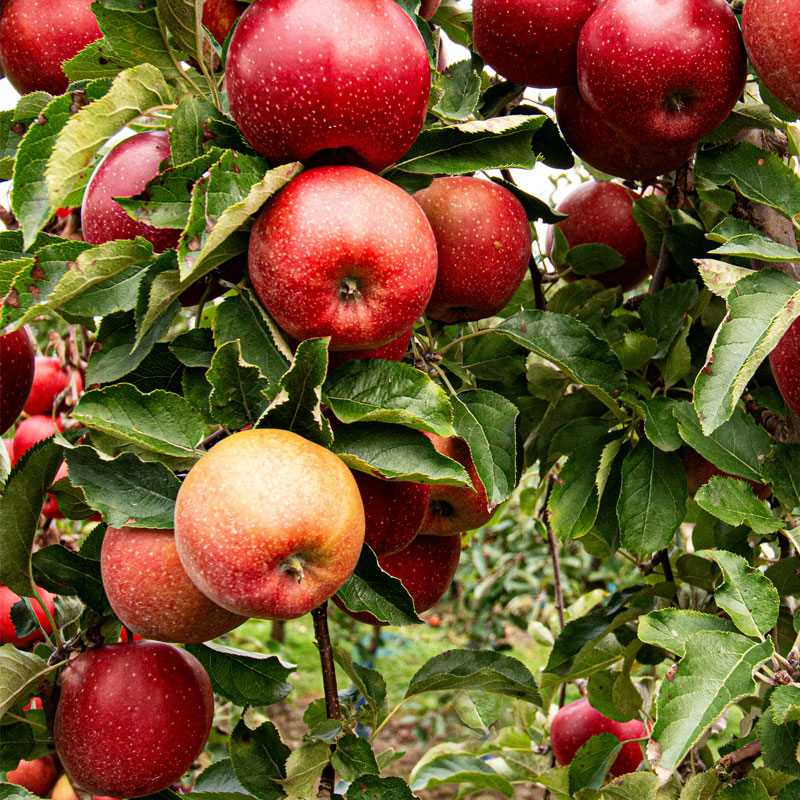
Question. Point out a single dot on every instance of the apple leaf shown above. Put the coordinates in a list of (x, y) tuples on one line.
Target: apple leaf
[(369, 682), (753, 245), (591, 763), (733, 501), (634, 786), (371, 787), (670, 628), (473, 773), (593, 259), (239, 390), (195, 348), (20, 672), (303, 768), (746, 789), (259, 759), (458, 89), (96, 60), (354, 757), (10, 137), (218, 778), (779, 744), (781, 469), (719, 276), (660, 425), (180, 17), (62, 571), (22, 740), (785, 704), (663, 313)]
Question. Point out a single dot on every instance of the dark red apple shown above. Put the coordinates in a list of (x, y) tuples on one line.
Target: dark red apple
[(662, 71), (608, 149), (699, 471), (576, 723), (219, 16), (600, 213), (32, 430), (393, 511), (125, 171), (343, 253), (37, 36), (426, 568), (50, 379), (483, 238), (16, 375), (428, 8), (36, 776), (785, 363), (454, 509), (772, 39), (391, 351), (328, 81), (151, 593), (132, 717), (8, 633), (531, 42), (209, 285)]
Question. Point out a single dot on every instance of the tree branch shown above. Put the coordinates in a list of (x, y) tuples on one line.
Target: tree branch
[(748, 752), (320, 616)]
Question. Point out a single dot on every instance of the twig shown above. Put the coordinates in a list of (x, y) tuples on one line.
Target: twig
[(747, 752), (322, 634), (559, 590), (538, 289), (663, 557), (662, 268)]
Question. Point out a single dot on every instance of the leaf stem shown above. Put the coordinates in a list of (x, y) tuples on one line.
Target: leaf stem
[(464, 338), (386, 719), (178, 66), (199, 42), (56, 632)]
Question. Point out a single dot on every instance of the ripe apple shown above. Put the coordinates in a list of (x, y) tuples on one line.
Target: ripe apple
[(32, 430), (426, 568), (151, 593), (50, 508), (36, 776), (8, 633), (49, 381), (784, 360), (328, 81), (600, 213), (125, 171), (454, 509), (232, 272), (608, 149), (769, 29), (37, 36), (662, 71), (391, 351), (16, 369), (531, 42), (393, 511), (576, 723), (219, 16), (428, 8), (483, 239), (699, 471), (132, 717), (343, 253), (269, 524)]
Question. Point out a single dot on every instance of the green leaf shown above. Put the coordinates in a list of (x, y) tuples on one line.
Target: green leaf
[(369, 683), (370, 787), (458, 769), (660, 425), (303, 768), (535, 208), (195, 348), (19, 673), (702, 786), (218, 777), (781, 469), (663, 313), (179, 16), (633, 786), (458, 88), (779, 744), (753, 245), (239, 390), (591, 763), (785, 704), (635, 350), (719, 276), (593, 259), (733, 502), (746, 789), (22, 741), (11, 791), (96, 60), (259, 759), (354, 757), (671, 628), (244, 678), (63, 571)]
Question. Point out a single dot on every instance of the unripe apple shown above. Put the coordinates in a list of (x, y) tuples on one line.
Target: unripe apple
[(531, 42), (151, 593), (426, 568), (49, 381), (600, 213), (391, 351), (576, 723), (328, 81), (454, 509), (63, 789), (8, 633), (699, 471), (132, 717), (125, 171), (663, 71), (36, 776), (772, 39), (219, 16), (483, 240), (343, 253), (785, 363), (16, 375), (269, 524), (32, 430), (37, 36)]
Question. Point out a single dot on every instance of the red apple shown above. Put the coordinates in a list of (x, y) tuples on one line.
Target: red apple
[(454, 509), (16, 375), (483, 239), (32, 430), (37, 36), (232, 272), (428, 8), (50, 379), (343, 253), (219, 16), (328, 81), (151, 593), (9, 445), (699, 471), (50, 508), (785, 363), (531, 42), (772, 39), (393, 511), (426, 568), (576, 723), (132, 717), (124, 172), (600, 213), (269, 524), (662, 71), (36, 776), (8, 633), (608, 149), (391, 351)]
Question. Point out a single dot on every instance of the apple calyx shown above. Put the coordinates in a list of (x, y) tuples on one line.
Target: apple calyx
[(349, 291), (442, 509), (293, 567)]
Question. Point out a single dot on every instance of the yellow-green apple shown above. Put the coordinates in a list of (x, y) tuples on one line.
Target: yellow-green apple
[(125, 171), (341, 252), (453, 509), (576, 723), (151, 593), (33, 430), (50, 379), (483, 239), (600, 213), (16, 375), (36, 776), (608, 149), (531, 42), (8, 633), (769, 28), (425, 568), (699, 471), (328, 81), (785, 363), (37, 36), (662, 71), (63, 789), (132, 717), (391, 351), (269, 524), (219, 16)]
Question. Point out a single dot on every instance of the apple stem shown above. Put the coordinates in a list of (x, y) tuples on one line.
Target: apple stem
[(348, 289), (293, 566), (320, 616), (538, 284)]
